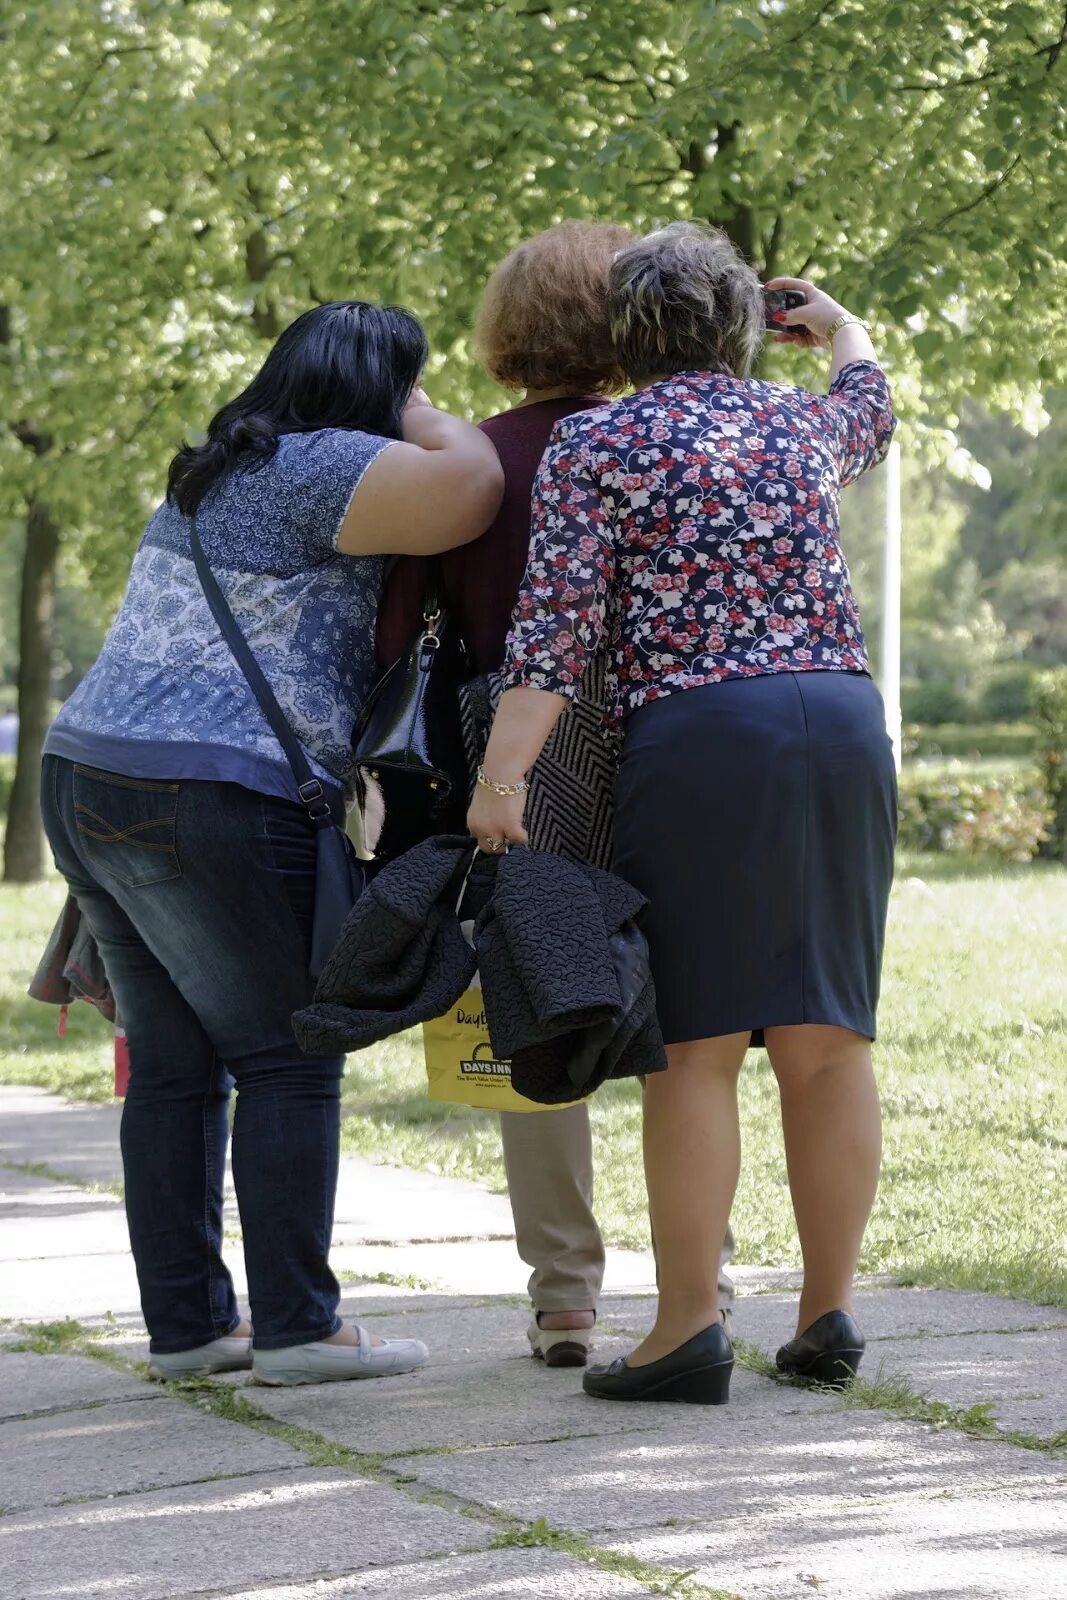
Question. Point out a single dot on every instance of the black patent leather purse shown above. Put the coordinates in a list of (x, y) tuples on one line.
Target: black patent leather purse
[(408, 740)]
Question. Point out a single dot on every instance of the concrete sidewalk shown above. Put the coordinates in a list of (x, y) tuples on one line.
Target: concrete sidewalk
[(485, 1475)]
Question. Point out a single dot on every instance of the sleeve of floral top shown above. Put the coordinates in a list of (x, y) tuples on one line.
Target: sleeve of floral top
[(559, 616), (859, 414)]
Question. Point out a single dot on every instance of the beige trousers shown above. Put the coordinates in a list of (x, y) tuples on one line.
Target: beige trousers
[(548, 1156)]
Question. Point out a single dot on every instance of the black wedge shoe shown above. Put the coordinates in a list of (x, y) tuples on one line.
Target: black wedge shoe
[(697, 1372), (828, 1352)]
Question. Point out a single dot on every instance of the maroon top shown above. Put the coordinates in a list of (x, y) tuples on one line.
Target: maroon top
[(481, 580)]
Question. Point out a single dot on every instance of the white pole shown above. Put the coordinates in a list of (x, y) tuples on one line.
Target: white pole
[(891, 601)]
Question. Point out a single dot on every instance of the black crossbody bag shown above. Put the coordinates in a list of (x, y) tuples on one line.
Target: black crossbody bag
[(408, 739), (339, 875)]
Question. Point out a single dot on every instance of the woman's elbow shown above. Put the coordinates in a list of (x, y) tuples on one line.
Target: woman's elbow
[(474, 501), (488, 490)]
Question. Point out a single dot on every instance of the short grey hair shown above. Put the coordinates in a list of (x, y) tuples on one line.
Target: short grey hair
[(682, 299)]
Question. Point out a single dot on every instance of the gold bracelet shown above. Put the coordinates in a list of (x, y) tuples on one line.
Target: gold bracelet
[(847, 320), (507, 789)]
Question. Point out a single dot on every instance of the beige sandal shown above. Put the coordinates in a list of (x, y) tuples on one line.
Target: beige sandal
[(559, 1347)]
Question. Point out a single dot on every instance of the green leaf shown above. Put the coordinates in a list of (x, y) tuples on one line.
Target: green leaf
[(928, 343), (751, 26)]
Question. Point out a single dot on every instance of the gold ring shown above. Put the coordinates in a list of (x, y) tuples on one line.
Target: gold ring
[(493, 846)]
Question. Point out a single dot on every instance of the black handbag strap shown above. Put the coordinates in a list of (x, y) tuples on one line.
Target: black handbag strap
[(311, 792), (433, 597)]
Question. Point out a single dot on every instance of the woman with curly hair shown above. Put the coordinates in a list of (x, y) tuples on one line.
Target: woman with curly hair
[(542, 331)]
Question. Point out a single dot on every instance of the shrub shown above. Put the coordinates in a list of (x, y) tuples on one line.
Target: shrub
[(1050, 714), (1004, 817), (1008, 696), (933, 703), (971, 739)]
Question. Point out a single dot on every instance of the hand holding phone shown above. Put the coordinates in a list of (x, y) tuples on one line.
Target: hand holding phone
[(791, 295), (776, 303)]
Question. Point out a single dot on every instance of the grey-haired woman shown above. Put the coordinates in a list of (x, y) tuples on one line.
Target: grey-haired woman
[(696, 525)]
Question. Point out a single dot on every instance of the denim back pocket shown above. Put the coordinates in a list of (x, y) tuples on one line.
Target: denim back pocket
[(126, 826)]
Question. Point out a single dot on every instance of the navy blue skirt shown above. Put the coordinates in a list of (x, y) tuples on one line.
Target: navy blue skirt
[(759, 818)]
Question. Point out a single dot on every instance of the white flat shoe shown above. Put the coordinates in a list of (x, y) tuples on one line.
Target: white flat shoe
[(336, 1363), (221, 1355)]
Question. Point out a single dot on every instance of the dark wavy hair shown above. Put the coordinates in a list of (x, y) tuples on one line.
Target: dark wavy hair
[(344, 365)]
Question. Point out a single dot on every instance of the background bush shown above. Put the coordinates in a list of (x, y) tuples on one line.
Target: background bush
[(933, 702), (1050, 712), (1009, 695), (1005, 816), (970, 740)]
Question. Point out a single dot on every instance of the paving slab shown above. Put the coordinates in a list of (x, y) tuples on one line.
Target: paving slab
[(884, 1314), (404, 1312), (28, 1193), (73, 1287), (122, 1448), (1020, 1376), (497, 1575), (76, 1140), (214, 1538), (389, 1205), (694, 1463), (478, 1267), (45, 1234), (951, 1544), (492, 1402), (30, 1383)]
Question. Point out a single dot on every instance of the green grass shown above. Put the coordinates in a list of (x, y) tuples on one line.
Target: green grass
[(972, 1061)]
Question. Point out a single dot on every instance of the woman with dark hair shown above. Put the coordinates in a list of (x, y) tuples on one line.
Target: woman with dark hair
[(542, 331), (176, 820), (695, 525)]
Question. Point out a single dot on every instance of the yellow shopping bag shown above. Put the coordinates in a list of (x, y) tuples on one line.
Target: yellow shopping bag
[(460, 1064)]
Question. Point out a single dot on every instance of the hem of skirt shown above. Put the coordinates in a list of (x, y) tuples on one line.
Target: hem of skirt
[(813, 1017)]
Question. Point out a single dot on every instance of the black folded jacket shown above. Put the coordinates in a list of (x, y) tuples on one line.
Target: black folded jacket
[(565, 977), (563, 965)]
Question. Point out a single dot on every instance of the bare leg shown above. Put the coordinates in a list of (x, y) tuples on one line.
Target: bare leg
[(692, 1158), (833, 1144)]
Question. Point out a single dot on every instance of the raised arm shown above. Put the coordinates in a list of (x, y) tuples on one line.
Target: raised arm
[(858, 411), (439, 487)]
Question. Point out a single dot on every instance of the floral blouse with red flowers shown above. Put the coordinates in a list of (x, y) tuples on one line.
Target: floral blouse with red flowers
[(694, 526)]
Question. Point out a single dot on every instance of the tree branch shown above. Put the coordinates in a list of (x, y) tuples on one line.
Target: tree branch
[(809, 27), (944, 85), (919, 228), (216, 146), (1054, 53)]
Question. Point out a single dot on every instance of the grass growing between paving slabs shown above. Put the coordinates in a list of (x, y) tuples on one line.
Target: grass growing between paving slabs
[(229, 1404), (972, 1061), (890, 1392)]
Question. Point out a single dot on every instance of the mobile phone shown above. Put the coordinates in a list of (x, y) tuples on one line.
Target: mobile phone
[(778, 300)]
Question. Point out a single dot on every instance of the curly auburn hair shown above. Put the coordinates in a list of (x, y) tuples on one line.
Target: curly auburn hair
[(543, 321)]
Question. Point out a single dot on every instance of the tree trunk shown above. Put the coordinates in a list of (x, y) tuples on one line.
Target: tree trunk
[(24, 844)]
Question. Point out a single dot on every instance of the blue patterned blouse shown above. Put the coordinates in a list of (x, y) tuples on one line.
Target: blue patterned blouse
[(165, 697)]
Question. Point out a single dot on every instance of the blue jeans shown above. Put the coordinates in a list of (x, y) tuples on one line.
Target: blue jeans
[(200, 898)]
